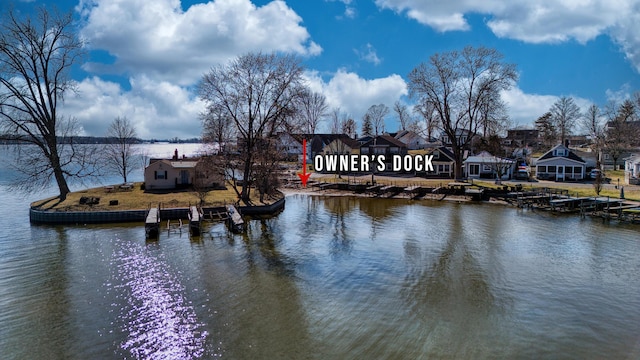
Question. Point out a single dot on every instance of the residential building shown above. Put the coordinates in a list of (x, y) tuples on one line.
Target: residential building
[(487, 166), (560, 164), (178, 173), (384, 145)]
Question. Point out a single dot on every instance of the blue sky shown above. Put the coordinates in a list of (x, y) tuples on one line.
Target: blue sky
[(146, 56)]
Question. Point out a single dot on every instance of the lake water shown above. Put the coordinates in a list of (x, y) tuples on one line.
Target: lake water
[(328, 278)]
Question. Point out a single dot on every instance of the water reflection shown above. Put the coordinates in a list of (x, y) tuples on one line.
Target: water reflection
[(158, 321)]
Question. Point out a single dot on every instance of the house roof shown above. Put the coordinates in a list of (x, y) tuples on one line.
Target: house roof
[(177, 164), (444, 151), (385, 140), (352, 143), (549, 154), (485, 157)]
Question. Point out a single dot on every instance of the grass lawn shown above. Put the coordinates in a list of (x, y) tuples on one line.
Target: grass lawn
[(136, 199)]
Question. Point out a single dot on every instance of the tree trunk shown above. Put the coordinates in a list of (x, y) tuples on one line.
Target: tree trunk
[(244, 195), (60, 179)]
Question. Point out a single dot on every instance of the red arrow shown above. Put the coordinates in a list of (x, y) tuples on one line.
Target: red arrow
[(304, 177)]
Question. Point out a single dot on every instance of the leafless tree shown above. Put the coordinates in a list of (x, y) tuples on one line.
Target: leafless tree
[(258, 93), (593, 125), (35, 57), (377, 114), (431, 121), (564, 114), (459, 85), (493, 116), (622, 130), (341, 123), (217, 128), (349, 127), (311, 108), (404, 117), (120, 153)]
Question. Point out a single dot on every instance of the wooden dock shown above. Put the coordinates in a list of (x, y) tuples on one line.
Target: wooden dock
[(235, 221), (195, 216), (152, 223)]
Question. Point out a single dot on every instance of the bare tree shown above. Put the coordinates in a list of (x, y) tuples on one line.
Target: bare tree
[(564, 114), (349, 127), (622, 130), (120, 154), (377, 113), (404, 117), (428, 112), (341, 123), (493, 116), (459, 85), (334, 116), (592, 123), (35, 57), (311, 108), (217, 128), (258, 93)]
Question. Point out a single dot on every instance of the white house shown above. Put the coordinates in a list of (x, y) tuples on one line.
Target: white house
[(485, 165), (168, 174), (560, 164), (175, 173), (632, 169)]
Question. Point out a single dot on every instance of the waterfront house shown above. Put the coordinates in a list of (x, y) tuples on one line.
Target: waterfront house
[(443, 163), (181, 172), (560, 164), (487, 166), (384, 145), (632, 169)]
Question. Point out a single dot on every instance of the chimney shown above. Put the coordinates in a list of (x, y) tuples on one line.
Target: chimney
[(175, 155)]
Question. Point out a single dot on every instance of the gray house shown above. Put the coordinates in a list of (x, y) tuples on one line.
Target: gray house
[(560, 164)]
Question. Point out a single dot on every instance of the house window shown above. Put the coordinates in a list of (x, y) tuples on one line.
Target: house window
[(606, 156), (395, 150), (436, 155), (561, 152), (569, 170), (577, 170), (379, 151), (160, 175), (542, 169), (551, 169), (364, 150), (474, 169), (486, 168)]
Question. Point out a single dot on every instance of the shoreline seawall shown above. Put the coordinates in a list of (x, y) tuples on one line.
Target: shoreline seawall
[(37, 216)]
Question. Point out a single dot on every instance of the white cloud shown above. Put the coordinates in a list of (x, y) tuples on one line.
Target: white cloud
[(368, 53), (157, 38), (157, 109), (524, 109), (545, 21), (354, 95)]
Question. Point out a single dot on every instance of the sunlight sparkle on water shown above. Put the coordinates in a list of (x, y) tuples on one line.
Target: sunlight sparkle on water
[(155, 317)]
